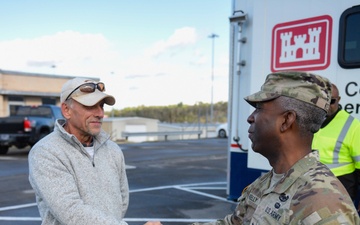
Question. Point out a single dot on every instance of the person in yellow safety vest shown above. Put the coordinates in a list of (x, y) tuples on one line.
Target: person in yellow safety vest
[(338, 143)]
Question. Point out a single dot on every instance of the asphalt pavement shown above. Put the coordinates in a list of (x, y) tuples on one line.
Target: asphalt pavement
[(176, 182)]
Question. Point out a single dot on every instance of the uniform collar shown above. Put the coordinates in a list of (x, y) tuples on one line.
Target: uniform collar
[(298, 169)]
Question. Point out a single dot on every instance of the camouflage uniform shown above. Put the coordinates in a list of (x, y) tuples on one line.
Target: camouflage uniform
[(308, 194)]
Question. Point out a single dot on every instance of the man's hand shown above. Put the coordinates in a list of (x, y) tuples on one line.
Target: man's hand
[(153, 223)]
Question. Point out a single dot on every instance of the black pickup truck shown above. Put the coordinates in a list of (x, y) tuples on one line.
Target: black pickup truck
[(27, 126)]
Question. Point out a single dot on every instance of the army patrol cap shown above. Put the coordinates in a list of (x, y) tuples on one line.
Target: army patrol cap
[(306, 87)]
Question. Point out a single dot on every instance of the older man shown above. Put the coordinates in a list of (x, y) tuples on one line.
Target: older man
[(77, 172)]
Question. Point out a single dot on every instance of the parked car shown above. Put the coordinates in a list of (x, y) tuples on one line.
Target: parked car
[(222, 130), (27, 126)]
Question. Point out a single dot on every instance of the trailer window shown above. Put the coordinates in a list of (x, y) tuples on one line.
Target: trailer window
[(349, 38)]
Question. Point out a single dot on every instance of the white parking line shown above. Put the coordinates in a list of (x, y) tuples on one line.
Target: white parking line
[(203, 194), (185, 187), (17, 206), (8, 158), (11, 218), (168, 220), (208, 188), (192, 186), (129, 167)]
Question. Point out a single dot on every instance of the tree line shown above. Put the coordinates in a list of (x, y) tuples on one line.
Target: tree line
[(180, 113)]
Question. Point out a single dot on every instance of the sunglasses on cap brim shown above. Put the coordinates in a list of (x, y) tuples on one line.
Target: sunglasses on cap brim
[(88, 88)]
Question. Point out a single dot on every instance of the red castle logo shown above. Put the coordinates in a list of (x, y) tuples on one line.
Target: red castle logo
[(302, 44)]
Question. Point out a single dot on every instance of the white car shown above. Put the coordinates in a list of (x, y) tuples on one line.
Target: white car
[(222, 130)]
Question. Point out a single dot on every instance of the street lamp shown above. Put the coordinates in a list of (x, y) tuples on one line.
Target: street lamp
[(212, 36)]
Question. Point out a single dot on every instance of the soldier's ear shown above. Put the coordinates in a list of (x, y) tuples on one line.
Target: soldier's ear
[(289, 118)]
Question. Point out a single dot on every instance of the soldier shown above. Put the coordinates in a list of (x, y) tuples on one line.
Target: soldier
[(289, 109)]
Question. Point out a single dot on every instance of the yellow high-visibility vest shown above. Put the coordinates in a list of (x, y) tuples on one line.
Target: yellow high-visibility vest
[(338, 144)]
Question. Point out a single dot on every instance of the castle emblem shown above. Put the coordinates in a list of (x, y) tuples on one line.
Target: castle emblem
[(301, 50), (303, 44)]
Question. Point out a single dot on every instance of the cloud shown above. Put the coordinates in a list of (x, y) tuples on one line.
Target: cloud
[(180, 38), (160, 74), (198, 58), (136, 76), (67, 52), (134, 79), (45, 63)]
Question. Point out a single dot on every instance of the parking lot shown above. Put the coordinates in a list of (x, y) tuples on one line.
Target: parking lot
[(176, 182)]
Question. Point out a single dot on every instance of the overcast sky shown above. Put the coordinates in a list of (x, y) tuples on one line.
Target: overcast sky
[(147, 52)]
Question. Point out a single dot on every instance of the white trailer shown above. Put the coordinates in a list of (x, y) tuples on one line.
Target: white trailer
[(275, 35)]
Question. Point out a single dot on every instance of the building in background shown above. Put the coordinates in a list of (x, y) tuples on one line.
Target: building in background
[(21, 88)]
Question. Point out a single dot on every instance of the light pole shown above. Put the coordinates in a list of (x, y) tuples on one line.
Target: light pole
[(212, 36)]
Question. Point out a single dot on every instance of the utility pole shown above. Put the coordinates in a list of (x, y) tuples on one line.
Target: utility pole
[(212, 36)]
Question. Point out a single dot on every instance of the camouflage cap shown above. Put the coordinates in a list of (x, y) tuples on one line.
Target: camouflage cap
[(307, 87)]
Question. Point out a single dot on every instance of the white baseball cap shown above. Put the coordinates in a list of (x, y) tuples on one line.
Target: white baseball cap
[(85, 91)]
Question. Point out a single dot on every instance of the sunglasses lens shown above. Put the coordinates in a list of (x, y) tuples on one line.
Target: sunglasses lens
[(101, 87), (332, 101), (87, 88)]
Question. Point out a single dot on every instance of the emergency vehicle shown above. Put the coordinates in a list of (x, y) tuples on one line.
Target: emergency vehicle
[(322, 37)]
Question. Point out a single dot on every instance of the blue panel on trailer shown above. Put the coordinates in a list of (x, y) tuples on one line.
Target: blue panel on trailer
[(240, 175)]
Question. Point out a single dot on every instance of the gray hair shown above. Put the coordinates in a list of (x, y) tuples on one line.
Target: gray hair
[(69, 102), (308, 117)]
